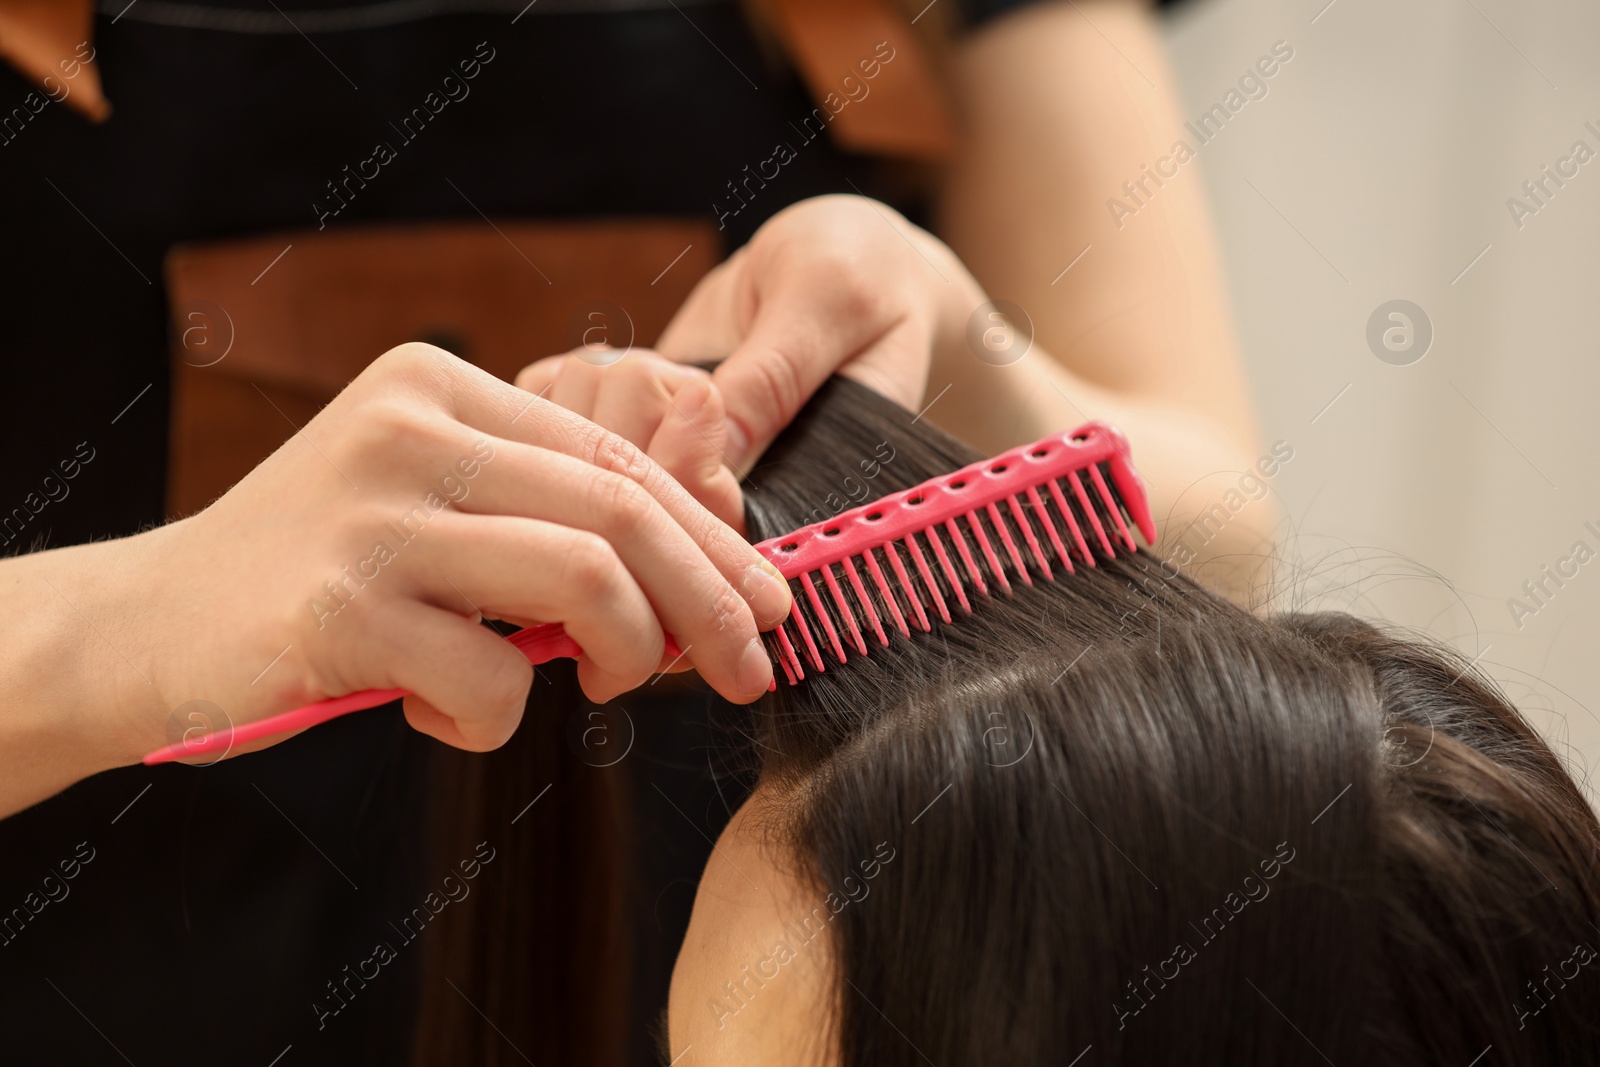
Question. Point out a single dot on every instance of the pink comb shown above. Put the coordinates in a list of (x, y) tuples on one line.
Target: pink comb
[(1067, 497), (540, 644), (887, 565)]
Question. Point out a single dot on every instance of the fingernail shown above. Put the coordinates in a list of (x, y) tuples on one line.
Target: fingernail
[(767, 593), (754, 673)]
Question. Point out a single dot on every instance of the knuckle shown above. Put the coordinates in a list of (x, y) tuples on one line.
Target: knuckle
[(402, 433), (378, 425), (727, 611), (417, 368), (412, 358), (352, 529), (852, 278), (613, 453), (593, 570), (715, 539), (426, 435), (622, 503), (857, 300)]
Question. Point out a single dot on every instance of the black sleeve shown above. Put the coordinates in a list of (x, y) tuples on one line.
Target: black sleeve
[(975, 13)]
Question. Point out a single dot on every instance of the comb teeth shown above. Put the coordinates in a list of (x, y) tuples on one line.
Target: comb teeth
[(931, 554)]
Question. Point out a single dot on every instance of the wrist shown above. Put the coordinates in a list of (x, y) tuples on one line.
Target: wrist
[(90, 699)]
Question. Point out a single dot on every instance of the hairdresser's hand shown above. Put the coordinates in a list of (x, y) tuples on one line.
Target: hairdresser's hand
[(672, 411), (834, 284), (359, 555)]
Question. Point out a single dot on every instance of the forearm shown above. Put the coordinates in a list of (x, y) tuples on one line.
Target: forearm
[(1064, 103), (67, 697), (1209, 492)]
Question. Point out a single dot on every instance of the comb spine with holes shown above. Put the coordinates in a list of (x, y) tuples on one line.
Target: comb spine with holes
[(1081, 480)]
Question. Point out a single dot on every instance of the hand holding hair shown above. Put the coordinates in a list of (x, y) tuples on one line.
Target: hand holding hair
[(845, 285), (833, 284), (361, 555)]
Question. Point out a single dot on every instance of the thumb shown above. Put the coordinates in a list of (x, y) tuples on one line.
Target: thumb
[(469, 684), (796, 341)]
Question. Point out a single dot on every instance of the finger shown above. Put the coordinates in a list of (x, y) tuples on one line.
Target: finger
[(634, 395), (427, 719), (804, 329), (576, 385), (499, 411), (689, 446), (473, 681), (627, 397), (712, 616), (541, 571), (705, 326), (538, 377)]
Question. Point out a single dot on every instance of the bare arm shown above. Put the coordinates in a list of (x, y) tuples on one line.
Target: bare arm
[(1061, 104)]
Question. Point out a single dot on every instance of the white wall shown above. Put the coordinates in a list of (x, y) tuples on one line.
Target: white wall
[(1428, 493)]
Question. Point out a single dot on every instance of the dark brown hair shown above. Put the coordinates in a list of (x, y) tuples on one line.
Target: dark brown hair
[(1126, 814), (1116, 811)]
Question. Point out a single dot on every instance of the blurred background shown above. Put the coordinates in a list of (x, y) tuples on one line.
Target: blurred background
[(1425, 491)]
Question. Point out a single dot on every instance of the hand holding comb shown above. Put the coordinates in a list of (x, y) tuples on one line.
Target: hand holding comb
[(885, 567)]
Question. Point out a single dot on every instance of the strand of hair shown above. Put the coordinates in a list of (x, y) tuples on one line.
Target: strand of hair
[(906, 587), (845, 612), (1112, 511), (1086, 509), (1043, 514), (822, 616), (928, 582)]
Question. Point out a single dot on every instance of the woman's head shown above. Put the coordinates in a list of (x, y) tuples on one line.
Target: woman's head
[(1118, 814)]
